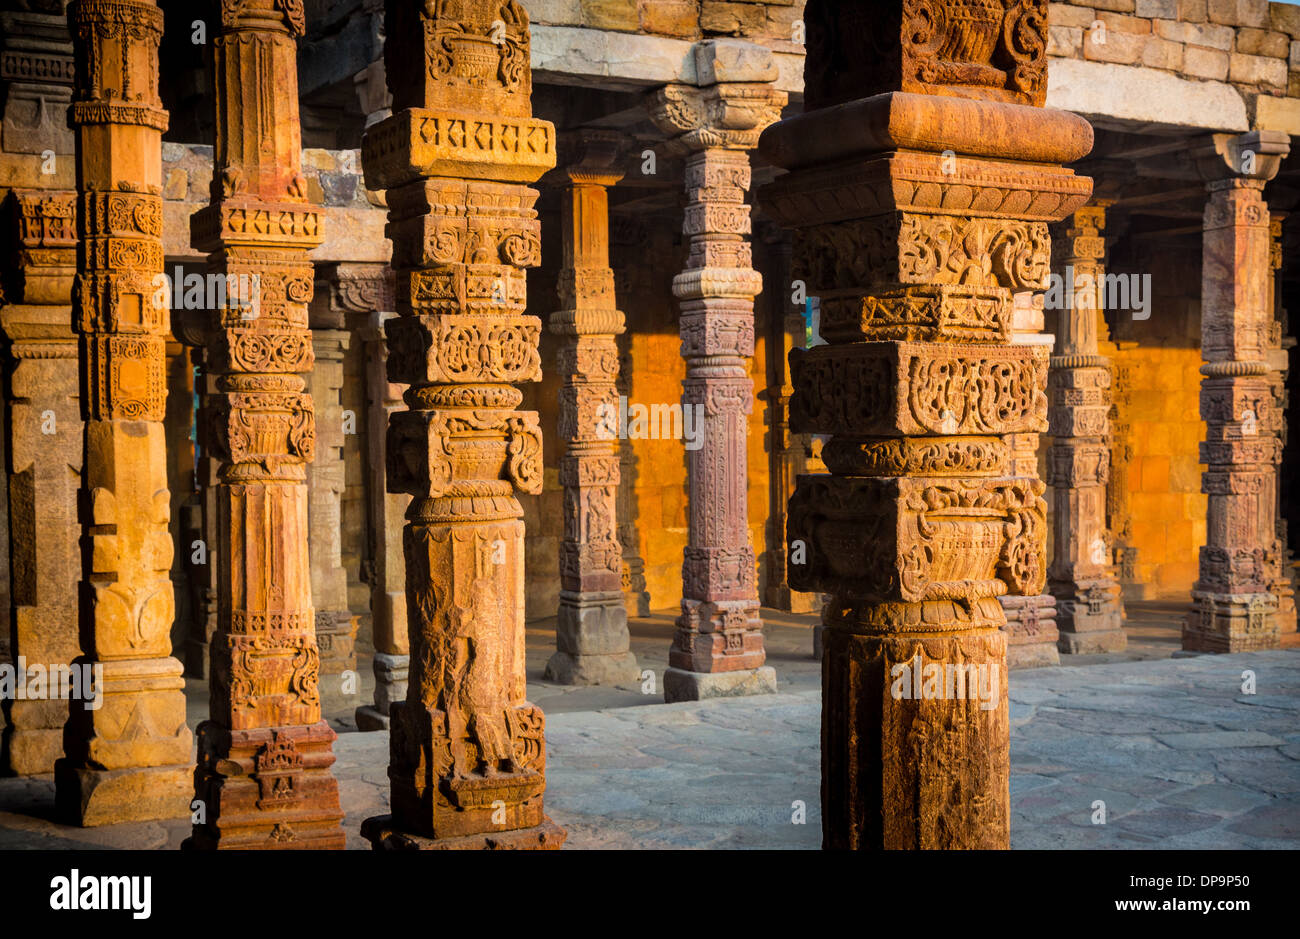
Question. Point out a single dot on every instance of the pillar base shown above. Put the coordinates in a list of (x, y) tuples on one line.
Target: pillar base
[(369, 717), (336, 639), (1092, 643), (383, 835), (903, 766), (31, 752), (33, 738), (1236, 622), (266, 788), (1032, 635), (93, 797), (681, 685), (391, 679), (566, 668), (1090, 617)]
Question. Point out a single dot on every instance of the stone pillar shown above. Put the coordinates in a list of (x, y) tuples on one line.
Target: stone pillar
[(789, 451), (363, 292), (36, 67), (336, 627), (627, 245), (1031, 621), (1234, 608), (45, 458), (265, 753), (128, 759), (591, 636), (1090, 615), (922, 183), (1279, 353), (718, 647), (202, 513), (468, 755)]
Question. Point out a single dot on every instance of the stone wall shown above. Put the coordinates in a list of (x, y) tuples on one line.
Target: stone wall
[(1157, 418), (770, 22), (1251, 45)]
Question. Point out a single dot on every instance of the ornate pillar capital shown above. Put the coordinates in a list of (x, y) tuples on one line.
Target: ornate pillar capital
[(723, 116), (1246, 160)]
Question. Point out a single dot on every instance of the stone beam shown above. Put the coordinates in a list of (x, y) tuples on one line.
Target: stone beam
[(263, 778), (617, 61), (468, 755), (1124, 95), (920, 184)]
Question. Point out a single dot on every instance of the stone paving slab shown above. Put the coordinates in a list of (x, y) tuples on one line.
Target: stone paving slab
[(1179, 756)]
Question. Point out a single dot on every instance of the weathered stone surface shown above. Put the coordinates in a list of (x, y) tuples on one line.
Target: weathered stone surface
[(1148, 95), (468, 753), (715, 125), (37, 63), (138, 733), (922, 522), (683, 685), (263, 776)]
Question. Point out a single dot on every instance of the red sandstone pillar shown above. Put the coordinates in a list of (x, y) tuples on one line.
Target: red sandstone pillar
[(922, 177), (1235, 609), (263, 778), (718, 648)]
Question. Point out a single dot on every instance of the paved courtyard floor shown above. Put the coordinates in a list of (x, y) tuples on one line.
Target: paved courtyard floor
[(1180, 757)]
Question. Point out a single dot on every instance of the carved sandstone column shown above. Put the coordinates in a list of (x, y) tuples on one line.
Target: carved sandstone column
[(921, 523), (45, 456), (591, 633), (718, 648), (1281, 342), (336, 627), (265, 753), (1082, 578), (363, 294), (129, 758), (1235, 609), (468, 756), (1031, 621)]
